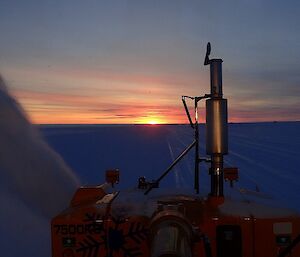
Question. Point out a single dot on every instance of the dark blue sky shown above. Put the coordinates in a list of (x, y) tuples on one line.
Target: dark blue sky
[(130, 61)]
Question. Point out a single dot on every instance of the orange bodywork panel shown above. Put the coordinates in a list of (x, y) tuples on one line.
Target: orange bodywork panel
[(86, 195), (100, 224), (87, 228)]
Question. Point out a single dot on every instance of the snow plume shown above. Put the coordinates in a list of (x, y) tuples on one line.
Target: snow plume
[(35, 183)]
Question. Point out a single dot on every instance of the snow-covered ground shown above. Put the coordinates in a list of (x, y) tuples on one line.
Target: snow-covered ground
[(266, 154)]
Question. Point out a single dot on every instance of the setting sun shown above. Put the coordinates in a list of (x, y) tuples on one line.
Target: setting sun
[(152, 122)]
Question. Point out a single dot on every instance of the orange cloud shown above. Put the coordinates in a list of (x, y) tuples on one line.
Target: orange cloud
[(102, 96), (62, 108)]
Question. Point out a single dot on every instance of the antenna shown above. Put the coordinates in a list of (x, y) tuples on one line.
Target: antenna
[(208, 49)]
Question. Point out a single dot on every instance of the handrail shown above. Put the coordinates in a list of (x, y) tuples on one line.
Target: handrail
[(171, 166)]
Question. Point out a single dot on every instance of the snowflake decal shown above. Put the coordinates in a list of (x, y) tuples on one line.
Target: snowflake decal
[(118, 237)]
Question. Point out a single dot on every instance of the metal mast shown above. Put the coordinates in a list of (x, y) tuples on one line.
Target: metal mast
[(216, 124), (216, 130)]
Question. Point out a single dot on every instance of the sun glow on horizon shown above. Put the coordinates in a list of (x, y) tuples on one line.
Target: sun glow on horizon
[(152, 122)]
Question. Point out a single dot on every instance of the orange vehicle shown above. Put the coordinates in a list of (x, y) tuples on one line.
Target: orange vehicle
[(150, 221)]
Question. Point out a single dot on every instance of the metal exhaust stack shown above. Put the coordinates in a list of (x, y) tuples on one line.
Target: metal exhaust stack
[(216, 124), (216, 131)]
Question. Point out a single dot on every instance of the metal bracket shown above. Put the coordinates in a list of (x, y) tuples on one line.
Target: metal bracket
[(187, 110), (204, 160)]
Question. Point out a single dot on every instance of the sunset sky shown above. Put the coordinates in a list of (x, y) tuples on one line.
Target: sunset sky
[(117, 61)]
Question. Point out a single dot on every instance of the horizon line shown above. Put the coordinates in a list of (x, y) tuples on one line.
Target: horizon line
[(147, 124)]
